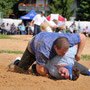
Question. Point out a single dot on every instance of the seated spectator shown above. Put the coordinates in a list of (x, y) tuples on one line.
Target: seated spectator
[(13, 29), (87, 30), (8, 28), (18, 28), (22, 29), (3, 29), (31, 28)]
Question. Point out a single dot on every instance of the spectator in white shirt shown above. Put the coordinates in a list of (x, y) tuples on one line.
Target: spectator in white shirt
[(38, 19)]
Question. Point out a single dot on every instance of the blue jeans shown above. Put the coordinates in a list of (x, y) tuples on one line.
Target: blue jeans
[(36, 29)]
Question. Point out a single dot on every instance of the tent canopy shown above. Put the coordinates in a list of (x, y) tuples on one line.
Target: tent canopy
[(29, 16), (55, 16)]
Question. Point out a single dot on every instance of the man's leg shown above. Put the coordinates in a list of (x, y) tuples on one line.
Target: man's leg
[(22, 65), (83, 69), (38, 29), (35, 29), (27, 60)]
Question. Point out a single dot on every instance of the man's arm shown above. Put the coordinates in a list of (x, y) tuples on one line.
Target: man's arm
[(32, 21), (41, 70), (61, 27), (80, 46)]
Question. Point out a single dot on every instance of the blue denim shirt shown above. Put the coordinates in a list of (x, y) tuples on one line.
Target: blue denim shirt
[(42, 45)]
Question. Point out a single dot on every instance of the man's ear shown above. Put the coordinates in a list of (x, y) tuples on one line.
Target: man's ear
[(55, 47)]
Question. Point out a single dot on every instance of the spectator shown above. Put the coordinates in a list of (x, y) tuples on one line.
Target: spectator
[(18, 28), (22, 29), (31, 28), (87, 30), (71, 28), (60, 26), (38, 19), (13, 29), (8, 29), (48, 26), (3, 30)]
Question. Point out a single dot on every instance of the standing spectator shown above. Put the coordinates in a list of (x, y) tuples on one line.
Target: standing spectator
[(38, 19), (74, 27), (13, 29), (67, 29), (8, 28), (79, 29), (71, 28)]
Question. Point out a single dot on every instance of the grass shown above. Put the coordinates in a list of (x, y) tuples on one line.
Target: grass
[(6, 37), (9, 51), (83, 57)]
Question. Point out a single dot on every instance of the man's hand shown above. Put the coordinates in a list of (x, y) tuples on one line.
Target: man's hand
[(77, 57), (41, 70)]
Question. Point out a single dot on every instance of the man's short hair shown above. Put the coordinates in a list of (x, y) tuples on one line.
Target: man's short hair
[(62, 42), (43, 12), (75, 73)]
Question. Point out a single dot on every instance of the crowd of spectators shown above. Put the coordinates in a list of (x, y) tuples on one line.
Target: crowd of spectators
[(21, 29), (11, 29), (77, 29)]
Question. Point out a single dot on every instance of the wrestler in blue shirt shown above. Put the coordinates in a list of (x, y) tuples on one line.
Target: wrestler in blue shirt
[(42, 45)]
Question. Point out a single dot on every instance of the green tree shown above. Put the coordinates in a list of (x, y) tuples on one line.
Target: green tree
[(6, 6), (83, 12), (62, 7), (16, 11)]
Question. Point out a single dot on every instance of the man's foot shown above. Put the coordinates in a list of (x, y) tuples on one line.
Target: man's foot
[(15, 62), (34, 71)]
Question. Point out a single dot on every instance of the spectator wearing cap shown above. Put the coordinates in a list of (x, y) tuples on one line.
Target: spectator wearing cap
[(37, 20)]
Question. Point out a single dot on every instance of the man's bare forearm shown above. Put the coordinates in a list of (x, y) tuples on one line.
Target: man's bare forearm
[(41, 70), (80, 46)]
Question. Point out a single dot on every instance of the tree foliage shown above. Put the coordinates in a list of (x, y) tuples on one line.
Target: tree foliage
[(83, 13), (6, 6), (62, 7)]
